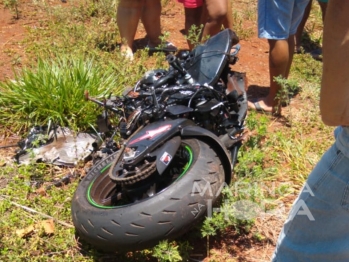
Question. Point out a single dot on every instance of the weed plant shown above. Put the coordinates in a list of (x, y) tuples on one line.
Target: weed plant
[(13, 5), (194, 35), (167, 252)]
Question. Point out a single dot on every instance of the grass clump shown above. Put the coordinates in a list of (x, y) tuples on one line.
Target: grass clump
[(54, 91)]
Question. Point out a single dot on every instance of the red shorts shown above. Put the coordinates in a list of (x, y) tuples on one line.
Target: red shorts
[(191, 3)]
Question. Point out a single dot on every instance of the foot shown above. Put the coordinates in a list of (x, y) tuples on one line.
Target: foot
[(235, 50), (233, 54), (127, 52), (259, 105)]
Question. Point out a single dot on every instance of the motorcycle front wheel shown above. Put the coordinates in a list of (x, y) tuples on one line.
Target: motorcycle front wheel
[(188, 189)]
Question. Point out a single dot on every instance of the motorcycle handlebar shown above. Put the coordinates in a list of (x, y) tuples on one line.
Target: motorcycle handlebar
[(100, 103), (173, 61), (165, 79)]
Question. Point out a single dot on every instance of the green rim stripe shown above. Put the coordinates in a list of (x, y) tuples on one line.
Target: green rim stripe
[(189, 163), (89, 191), (107, 166)]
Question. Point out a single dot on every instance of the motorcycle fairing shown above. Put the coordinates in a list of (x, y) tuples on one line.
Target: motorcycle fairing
[(164, 155), (178, 110), (206, 63), (196, 131), (152, 136), (155, 146)]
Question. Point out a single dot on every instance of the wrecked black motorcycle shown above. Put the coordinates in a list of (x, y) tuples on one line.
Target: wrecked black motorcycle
[(180, 132)]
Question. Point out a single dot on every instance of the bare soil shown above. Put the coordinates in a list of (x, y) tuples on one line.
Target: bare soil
[(253, 59)]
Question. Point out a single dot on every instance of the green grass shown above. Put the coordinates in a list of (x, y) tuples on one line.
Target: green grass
[(54, 91), (273, 163)]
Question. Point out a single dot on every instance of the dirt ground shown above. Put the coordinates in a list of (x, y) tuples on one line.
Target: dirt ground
[(253, 59)]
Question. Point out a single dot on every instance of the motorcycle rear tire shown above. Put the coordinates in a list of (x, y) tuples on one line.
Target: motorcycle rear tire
[(166, 215)]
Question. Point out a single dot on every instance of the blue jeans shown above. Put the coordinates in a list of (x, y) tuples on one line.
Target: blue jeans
[(317, 228), (278, 19)]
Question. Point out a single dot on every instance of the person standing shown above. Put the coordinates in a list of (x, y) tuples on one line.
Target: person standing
[(278, 21), (317, 228), (299, 33), (129, 13), (212, 14)]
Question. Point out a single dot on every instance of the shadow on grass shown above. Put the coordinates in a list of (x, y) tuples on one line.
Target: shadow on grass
[(308, 44), (255, 91), (311, 47), (193, 237)]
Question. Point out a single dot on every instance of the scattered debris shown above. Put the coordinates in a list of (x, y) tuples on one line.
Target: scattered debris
[(47, 225), (25, 232), (58, 146), (42, 189)]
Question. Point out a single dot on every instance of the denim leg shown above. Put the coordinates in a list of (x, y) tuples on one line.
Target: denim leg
[(318, 225), (278, 19)]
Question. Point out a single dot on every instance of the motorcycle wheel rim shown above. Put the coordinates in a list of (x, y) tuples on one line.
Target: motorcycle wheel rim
[(108, 188)]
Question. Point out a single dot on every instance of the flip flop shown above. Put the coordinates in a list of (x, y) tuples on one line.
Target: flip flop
[(259, 109)]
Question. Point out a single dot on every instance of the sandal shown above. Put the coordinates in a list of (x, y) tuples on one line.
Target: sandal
[(235, 50), (259, 109)]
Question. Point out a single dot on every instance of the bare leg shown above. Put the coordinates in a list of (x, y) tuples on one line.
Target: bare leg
[(217, 12), (192, 17), (279, 63), (291, 45), (280, 59), (151, 21), (128, 15), (228, 20), (298, 36)]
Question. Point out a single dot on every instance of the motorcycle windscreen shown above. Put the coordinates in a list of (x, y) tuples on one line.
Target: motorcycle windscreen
[(207, 61)]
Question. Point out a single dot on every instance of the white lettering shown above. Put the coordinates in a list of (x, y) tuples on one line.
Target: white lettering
[(304, 211)]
